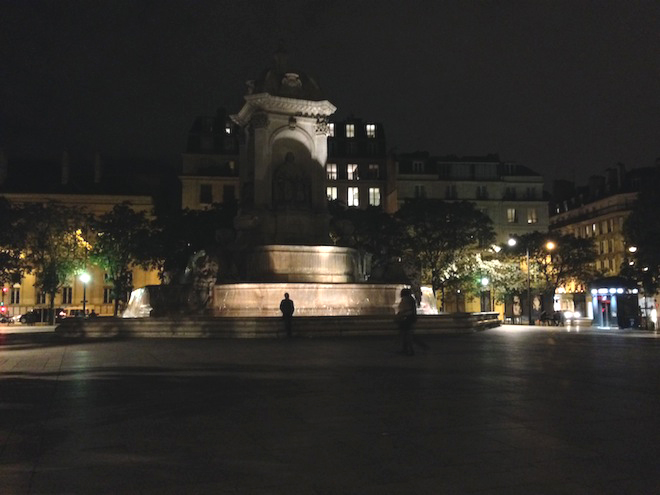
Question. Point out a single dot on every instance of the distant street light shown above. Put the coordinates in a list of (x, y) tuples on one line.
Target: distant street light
[(84, 278)]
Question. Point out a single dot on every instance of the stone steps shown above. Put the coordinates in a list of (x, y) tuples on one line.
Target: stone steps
[(310, 326)]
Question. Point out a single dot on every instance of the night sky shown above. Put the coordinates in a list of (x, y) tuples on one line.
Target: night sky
[(568, 88)]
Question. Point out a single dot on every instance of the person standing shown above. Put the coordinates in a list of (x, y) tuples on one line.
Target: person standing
[(406, 316), (287, 308)]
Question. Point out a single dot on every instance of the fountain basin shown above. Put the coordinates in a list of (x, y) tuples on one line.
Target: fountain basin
[(310, 299)]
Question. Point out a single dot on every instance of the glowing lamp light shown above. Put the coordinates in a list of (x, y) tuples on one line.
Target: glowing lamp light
[(632, 249), (512, 242), (484, 281), (619, 290), (612, 291), (594, 291), (550, 245), (602, 291), (85, 277)]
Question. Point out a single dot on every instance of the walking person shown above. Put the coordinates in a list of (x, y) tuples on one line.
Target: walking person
[(287, 308), (406, 316)]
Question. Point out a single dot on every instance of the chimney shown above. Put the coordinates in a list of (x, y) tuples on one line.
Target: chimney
[(66, 167), (98, 168), (4, 167)]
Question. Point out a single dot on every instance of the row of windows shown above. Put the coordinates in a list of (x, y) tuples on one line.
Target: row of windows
[(353, 196), (610, 246), (481, 192), (66, 296), (352, 171), (602, 227), (513, 217), (609, 264), (370, 130)]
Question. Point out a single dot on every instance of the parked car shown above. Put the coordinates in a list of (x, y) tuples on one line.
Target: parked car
[(37, 315), (4, 318)]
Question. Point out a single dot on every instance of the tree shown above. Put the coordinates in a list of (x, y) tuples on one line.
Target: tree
[(12, 264), (567, 259), (642, 231), (370, 231), (121, 241), (54, 246), (440, 237)]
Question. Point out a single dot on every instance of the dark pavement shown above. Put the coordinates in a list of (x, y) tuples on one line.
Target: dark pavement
[(515, 410)]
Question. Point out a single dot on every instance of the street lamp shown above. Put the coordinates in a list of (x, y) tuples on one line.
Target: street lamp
[(84, 278)]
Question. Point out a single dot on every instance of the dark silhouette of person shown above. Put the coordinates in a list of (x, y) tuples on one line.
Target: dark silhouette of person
[(287, 308), (406, 317)]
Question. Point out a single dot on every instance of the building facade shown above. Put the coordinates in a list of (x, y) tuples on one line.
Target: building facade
[(359, 171), (210, 165), (50, 183), (510, 194), (598, 211)]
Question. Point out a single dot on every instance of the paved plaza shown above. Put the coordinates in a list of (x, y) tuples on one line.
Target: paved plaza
[(512, 410)]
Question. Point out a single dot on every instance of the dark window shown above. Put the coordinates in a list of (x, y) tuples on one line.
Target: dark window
[(228, 193), (67, 295), (205, 194)]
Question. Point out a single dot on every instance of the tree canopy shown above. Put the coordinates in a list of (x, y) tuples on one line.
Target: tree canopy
[(121, 240), (54, 246), (642, 231), (442, 237)]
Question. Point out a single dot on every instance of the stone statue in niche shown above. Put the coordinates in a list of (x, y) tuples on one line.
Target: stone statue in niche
[(291, 185)]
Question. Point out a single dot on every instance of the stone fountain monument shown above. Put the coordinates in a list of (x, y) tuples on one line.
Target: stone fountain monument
[(283, 242), (283, 224)]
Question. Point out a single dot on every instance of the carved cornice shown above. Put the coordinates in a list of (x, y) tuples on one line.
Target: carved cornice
[(264, 102)]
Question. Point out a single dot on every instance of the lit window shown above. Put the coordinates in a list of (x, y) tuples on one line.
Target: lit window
[(331, 192), (353, 196), (371, 130), (374, 196), (511, 215), (352, 171), (374, 171), (331, 129), (331, 171), (532, 215), (228, 128), (15, 296), (350, 130)]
